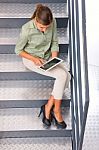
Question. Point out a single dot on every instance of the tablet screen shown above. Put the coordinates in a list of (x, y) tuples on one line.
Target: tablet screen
[(50, 64)]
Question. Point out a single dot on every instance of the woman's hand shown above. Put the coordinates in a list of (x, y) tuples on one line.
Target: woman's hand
[(38, 61)]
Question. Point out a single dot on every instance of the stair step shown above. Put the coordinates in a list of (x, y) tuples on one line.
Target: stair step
[(32, 1), (11, 10), (19, 122), (15, 15), (11, 67), (8, 39), (10, 36), (9, 48), (48, 143), (13, 63), (32, 93)]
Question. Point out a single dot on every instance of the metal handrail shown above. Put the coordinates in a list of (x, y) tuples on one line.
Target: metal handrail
[(79, 62), (79, 115), (72, 102), (85, 74)]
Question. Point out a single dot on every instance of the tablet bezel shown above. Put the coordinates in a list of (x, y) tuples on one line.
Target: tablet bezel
[(53, 65)]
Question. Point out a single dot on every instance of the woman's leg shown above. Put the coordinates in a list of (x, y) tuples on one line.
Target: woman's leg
[(61, 77), (48, 106), (57, 110)]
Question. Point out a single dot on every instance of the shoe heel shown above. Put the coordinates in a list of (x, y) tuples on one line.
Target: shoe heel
[(40, 112), (53, 120)]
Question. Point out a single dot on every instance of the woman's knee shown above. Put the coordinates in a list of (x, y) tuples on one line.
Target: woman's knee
[(62, 75)]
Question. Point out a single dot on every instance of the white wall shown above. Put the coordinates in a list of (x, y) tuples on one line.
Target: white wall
[(92, 22)]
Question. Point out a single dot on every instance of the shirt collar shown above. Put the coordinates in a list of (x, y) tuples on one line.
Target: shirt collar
[(32, 24)]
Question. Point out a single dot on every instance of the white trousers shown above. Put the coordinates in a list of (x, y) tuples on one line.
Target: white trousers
[(59, 72)]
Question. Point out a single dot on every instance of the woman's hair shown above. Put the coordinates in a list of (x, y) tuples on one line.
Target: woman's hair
[(43, 15)]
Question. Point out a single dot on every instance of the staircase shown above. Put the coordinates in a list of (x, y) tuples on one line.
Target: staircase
[(22, 92)]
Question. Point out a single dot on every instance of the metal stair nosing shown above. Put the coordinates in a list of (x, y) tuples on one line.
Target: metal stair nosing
[(36, 133), (18, 22), (32, 1), (23, 76), (28, 103), (6, 49)]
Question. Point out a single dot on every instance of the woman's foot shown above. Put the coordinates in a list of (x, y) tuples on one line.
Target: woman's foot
[(58, 115), (46, 120), (58, 119)]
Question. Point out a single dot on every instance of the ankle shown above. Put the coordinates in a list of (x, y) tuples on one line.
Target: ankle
[(47, 111), (47, 107), (57, 111)]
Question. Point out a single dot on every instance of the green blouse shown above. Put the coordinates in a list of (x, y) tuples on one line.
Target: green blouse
[(37, 43)]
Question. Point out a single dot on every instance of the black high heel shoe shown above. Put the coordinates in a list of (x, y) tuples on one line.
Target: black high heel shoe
[(59, 125), (46, 122)]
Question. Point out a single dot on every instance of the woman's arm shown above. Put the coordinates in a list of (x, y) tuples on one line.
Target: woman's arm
[(36, 60), (54, 54), (21, 43), (54, 44)]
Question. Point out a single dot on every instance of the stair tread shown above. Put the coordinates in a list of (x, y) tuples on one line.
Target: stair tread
[(10, 36), (21, 119), (36, 143), (13, 63), (28, 90), (32, 1), (19, 10)]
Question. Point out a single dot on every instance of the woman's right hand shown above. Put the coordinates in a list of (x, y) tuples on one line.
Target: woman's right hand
[(38, 61)]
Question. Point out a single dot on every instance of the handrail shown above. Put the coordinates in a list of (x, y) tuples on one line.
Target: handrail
[(79, 115), (75, 77), (72, 101), (85, 73), (79, 62)]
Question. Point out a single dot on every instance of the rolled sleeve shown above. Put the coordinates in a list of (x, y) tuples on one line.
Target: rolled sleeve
[(54, 44), (22, 41)]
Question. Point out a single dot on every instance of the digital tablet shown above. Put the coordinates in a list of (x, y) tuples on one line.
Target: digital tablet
[(51, 63)]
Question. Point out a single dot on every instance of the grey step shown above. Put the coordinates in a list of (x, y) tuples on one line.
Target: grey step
[(12, 68), (33, 1), (20, 94), (53, 143), (28, 93), (10, 36), (11, 10), (9, 49), (8, 39), (18, 22), (15, 15), (21, 122)]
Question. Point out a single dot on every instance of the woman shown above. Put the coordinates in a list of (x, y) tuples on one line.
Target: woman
[(36, 44)]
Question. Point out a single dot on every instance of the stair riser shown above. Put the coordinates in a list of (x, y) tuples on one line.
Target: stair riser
[(18, 22), (28, 103), (9, 49), (33, 1), (35, 133), (23, 76)]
